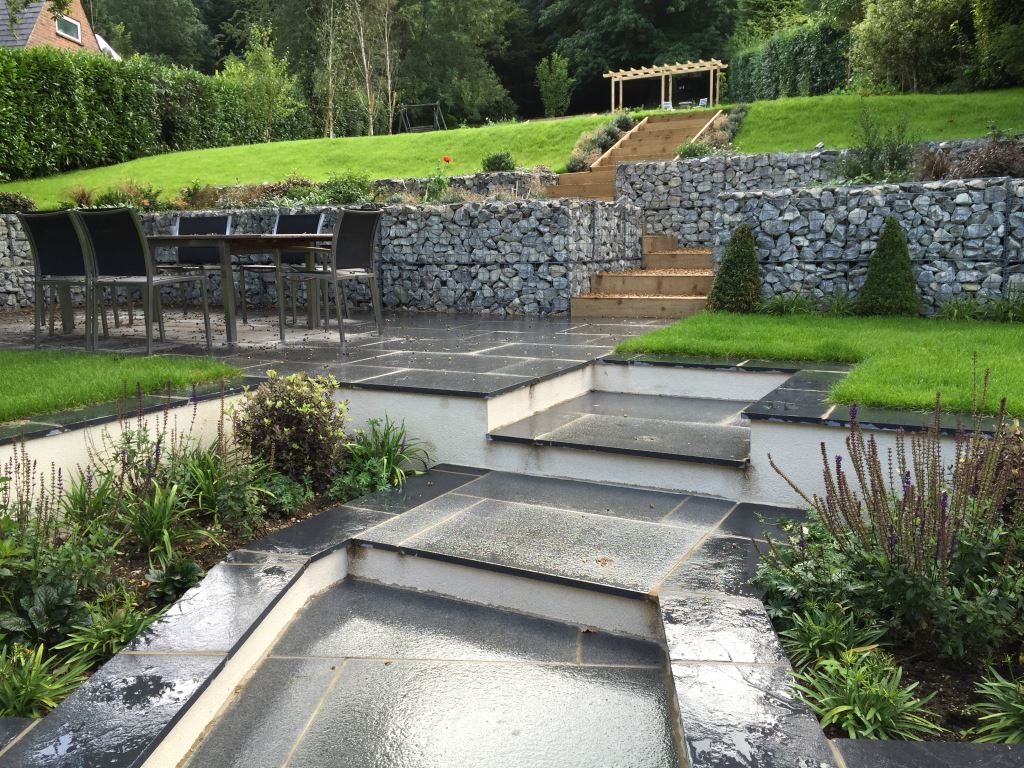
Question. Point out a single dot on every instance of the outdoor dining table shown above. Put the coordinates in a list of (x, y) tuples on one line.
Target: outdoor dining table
[(235, 244)]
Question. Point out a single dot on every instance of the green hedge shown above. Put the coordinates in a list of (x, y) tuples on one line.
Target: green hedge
[(808, 60), (61, 111)]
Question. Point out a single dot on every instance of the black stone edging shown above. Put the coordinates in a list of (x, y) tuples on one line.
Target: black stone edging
[(372, 384), (867, 753), (796, 403), (111, 411), (507, 570), (619, 451)]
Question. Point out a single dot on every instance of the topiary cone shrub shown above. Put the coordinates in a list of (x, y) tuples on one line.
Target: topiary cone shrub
[(737, 286), (889, 288)]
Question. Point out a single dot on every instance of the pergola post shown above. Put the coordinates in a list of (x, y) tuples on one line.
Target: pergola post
[(613, 94), (621, 102), (711, 88)]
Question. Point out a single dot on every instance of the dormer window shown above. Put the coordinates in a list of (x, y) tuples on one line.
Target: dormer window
[(69, 28)]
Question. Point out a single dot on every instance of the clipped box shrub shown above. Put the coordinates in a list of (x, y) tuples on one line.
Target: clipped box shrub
[(498, 162), (890, 288), (808, 60), (737, 286)]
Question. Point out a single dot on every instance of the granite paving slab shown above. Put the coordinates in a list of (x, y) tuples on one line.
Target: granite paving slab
[(11, 728), (576, 496), (326, 530), (706, 510), (261, 725), (719, 627), (866, 753), (219, 611), (700, 410), (561, 351), (594, 548), (400, 528), (114, 719), (434, 714), (361, 619), (736, 716), (759, 521), (449, 382), (417, 490), (721, 564)]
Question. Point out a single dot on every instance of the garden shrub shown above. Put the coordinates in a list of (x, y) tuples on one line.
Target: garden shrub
[(555, 84), (1000, 709), (797, 304), (377, 459), (915, 543), (737, 285), (284, 496), (32, 682), (120, 110), (862, 694), (13, 202), (498, 162), (692, 149), (807, 60), (592, 144), (890, 288), (880, 154), (999, 155), (293, 423)]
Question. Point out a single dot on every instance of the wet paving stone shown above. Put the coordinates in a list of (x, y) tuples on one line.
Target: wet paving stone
[(11, 728), (260, 727), (865, 753), (722, 564), (360, 619), (699, 510), (573, 495), (759, 521), (115, 718), (745, 716), (603, 550), (451, 382), (720, 628), (398, 529), (429, 714), (317, 534), (218, 612), (601, 648), (418, 489)]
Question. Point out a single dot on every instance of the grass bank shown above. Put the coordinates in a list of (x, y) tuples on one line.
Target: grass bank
[(45, 381), (786, 125), (407, 155), (901, 363)]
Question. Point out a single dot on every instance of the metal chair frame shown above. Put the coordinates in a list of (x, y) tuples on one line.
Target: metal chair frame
[(145, 278), (331, 274)]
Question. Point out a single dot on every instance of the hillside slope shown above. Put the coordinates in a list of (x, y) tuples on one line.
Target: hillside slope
[(532, 143)]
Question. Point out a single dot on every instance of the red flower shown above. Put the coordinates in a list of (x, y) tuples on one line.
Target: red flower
[(447, 158)]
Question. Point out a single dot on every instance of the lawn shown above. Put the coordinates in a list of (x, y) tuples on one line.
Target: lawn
[(786, 125), (901, 363), (407, 155), (44, 381)]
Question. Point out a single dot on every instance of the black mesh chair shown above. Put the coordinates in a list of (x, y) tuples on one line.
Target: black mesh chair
[(353, 257), (285, 224), (61, 261), (119, 250), (199, 259)]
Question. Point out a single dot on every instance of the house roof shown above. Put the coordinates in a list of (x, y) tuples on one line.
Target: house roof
[(18, 37)]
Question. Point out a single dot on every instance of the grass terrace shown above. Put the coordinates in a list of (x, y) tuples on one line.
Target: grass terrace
[(788, 125), (901, 362), (407, 155), (46, 381)]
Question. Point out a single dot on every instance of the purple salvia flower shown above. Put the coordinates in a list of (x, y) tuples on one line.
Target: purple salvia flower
[(195, 393), (839, 463), (890, 543), (944, 504), (906, 483), (952, 546), (803, 540), (853, 412)]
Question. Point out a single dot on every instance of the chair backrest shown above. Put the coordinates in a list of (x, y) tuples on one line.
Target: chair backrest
[(201, 225), (355, 239), (703, 102), (116, 241), (297, 224), (57, 244)]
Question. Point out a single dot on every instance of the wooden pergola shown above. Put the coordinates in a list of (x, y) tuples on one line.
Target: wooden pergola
[(667, 72)]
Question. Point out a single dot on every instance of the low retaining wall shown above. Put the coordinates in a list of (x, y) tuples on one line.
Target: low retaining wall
[(518, 257), (965, 237), (518, 183)]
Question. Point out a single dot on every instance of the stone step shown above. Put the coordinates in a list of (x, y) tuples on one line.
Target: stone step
[(628, 306), (668, 282), (681, 429), (689, 258), (653, 243)]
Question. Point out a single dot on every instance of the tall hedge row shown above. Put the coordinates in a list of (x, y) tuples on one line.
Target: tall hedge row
[(802, 61), (60, 111)]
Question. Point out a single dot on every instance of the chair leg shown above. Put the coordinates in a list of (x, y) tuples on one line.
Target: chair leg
[(294, 285), (205, 301), (91, 324), (147, 318), (39, 313), (53, 309), (327, 304), (337, 310), (375, 300), (241, 293), (99, 301), (129, 299), (114, 305), (279, 281), (158, 306)]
